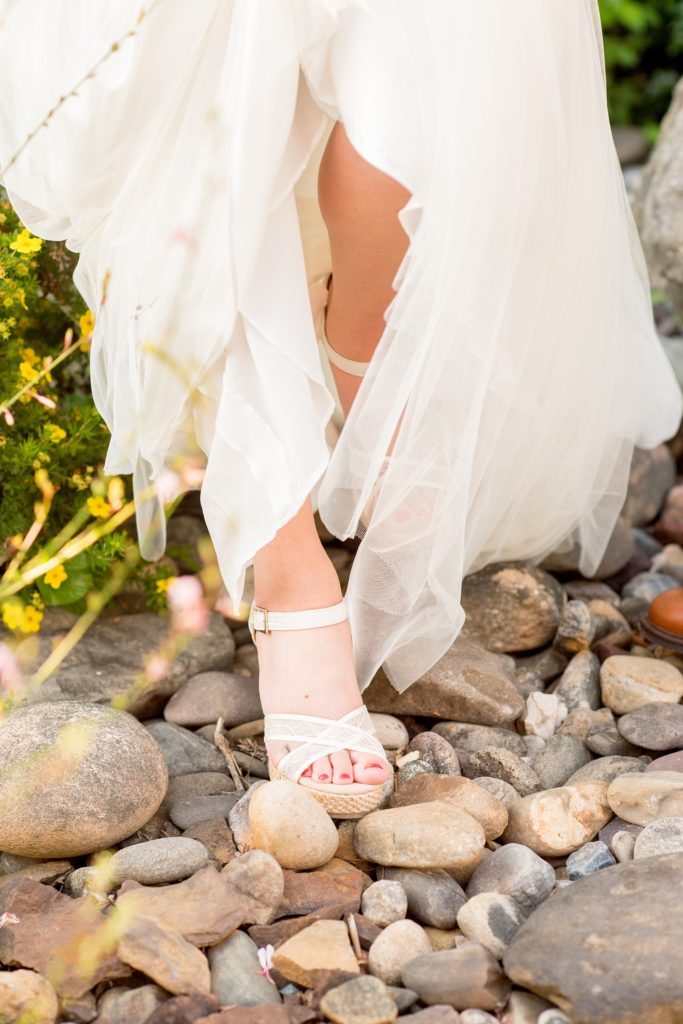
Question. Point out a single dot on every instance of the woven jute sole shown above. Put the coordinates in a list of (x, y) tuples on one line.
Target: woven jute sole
[(662, 637), (342, 805)]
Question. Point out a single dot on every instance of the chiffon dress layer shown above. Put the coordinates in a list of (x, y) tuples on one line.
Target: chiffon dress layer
[(519, 364)]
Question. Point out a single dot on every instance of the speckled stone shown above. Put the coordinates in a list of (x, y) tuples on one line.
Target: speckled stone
[(588, 859)]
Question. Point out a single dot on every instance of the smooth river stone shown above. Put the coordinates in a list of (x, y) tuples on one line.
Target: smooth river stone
[(504, 765), (158, 861), (558, 821), (645, 797), (465, 978), (27, 998), (492, 919), (431, 835), (75, 778), (462, 793), (669, 763), (464, 736), (658, 726), (585, 948), (291, 825), (662, 836), (434, 898), (514, 871), (629, 682), (209, 696), (468, 684), (579, 684), (394, 947)]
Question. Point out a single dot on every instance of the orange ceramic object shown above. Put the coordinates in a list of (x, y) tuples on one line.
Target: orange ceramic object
[(663, 622)]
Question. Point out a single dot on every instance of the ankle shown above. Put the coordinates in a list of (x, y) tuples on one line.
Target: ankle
[(310, 583)]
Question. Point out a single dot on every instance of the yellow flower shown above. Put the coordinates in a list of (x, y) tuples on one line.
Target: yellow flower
[(27, 371), (98, 507), (36, 600), (86, 323), (12, 614), (55, 577), (55, 433), (32, 620), (163, 585), (30, 356), (25, 243)]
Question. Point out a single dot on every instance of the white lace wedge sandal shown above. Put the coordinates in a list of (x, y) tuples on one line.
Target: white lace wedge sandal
[(320, 737)]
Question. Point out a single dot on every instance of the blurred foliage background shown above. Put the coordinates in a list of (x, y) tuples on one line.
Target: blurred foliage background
[(644, 56)]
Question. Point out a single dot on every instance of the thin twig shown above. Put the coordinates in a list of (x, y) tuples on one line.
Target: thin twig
[(224, 747)]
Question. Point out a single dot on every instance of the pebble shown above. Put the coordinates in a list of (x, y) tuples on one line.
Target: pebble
[(491, 919), (523, 1008), (158, 861), (669, 763), (390, 731), (321, 947), (503, 764), (629, 682), (121, 1005), (516, 871), (384, 902), (502, 791), (477, 1017), (163, 955), (657, 726), (464, 978), (560, 758), (292, 826), (236, 977), (437, 751), (472, 738), (27, 998), (588, 859), (648, 585), (260, 883), (623, 845), (604, 739), (434, 897), (206, 697), (460, 792), (187, 811), (579, 684), (662, 836), (606, 769), (436, 1015), (185, 753), (359, 1001), (215, 835), (394, 947), (75, 778), (545, 712), (576, 630), (431, 835), (558, 821), (198, 784), (512, 606), (643, 798)]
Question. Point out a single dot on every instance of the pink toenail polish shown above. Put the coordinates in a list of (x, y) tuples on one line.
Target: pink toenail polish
[(323, 777), (344, 776), (375, 766)]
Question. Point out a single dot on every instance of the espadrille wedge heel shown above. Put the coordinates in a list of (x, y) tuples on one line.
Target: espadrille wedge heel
[(319, 737)]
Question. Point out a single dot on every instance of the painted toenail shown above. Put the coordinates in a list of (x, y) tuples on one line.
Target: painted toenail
[(322, 777), (375, 766), (345, 776)]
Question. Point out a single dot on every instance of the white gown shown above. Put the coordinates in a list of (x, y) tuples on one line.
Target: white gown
[(519, 352)]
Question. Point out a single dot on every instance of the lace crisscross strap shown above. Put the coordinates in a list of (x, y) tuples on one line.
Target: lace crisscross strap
[(320, 737)]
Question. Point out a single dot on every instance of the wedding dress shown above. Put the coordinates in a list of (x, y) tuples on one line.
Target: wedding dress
[(519, 358)]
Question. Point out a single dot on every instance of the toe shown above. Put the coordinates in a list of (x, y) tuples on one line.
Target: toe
[(370, 769), (322, 770), (342, 769), (276, 751)]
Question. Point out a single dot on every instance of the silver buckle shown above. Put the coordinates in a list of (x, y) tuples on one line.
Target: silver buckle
[(265, 629)]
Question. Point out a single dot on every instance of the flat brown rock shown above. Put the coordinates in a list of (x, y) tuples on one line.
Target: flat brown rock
[(307, 891), (165, 957), (276, 934), (462, 793), (323, 946)]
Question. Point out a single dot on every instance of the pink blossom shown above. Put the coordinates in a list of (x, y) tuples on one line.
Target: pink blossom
[(10, 673), (185, 597), (9, 418), (47, 402), (168, 486), (157, 668)]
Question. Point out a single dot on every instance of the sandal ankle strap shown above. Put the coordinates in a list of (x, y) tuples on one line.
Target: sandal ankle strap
[(263, 620)]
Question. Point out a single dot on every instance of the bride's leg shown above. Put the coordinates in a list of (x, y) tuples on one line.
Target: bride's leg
[(311, 671)]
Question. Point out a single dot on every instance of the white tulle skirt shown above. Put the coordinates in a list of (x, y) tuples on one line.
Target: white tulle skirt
[(519, 360)]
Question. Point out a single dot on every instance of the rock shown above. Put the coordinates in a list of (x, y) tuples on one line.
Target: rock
[(668, 763), (549, 952), (556, 822), (653, 474), (184, 752), (27, 998), (511, 606), (390, 731), (403, 997), (644, 798), (236, 977), (360, 1001), (502, 791), (434, 897), (104, 667), (477, 1017), (191, 810), (238, 819), (260, 883), (158, 861), (204, 908), (431, 835), (559, 759), (662, 836), (604, 739), (206, 697), (75, 778), (588, 859), (523, 1008), (215, 835), (437, 752), (308, 955), (468, 684), (391, 951), (472, 738), (462, 793), (514, 871), (121, 1005), (657, 726), (504, 765), (492, 920), (544, 714), (576, 629), (436, 1015), (305, 892), (291, 825), (629, 682), (623, 846), (384, 902), (411, 765), (606, 769), (42, 871), (462, 978), (648, 585), (579, 684), (164, 956)]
